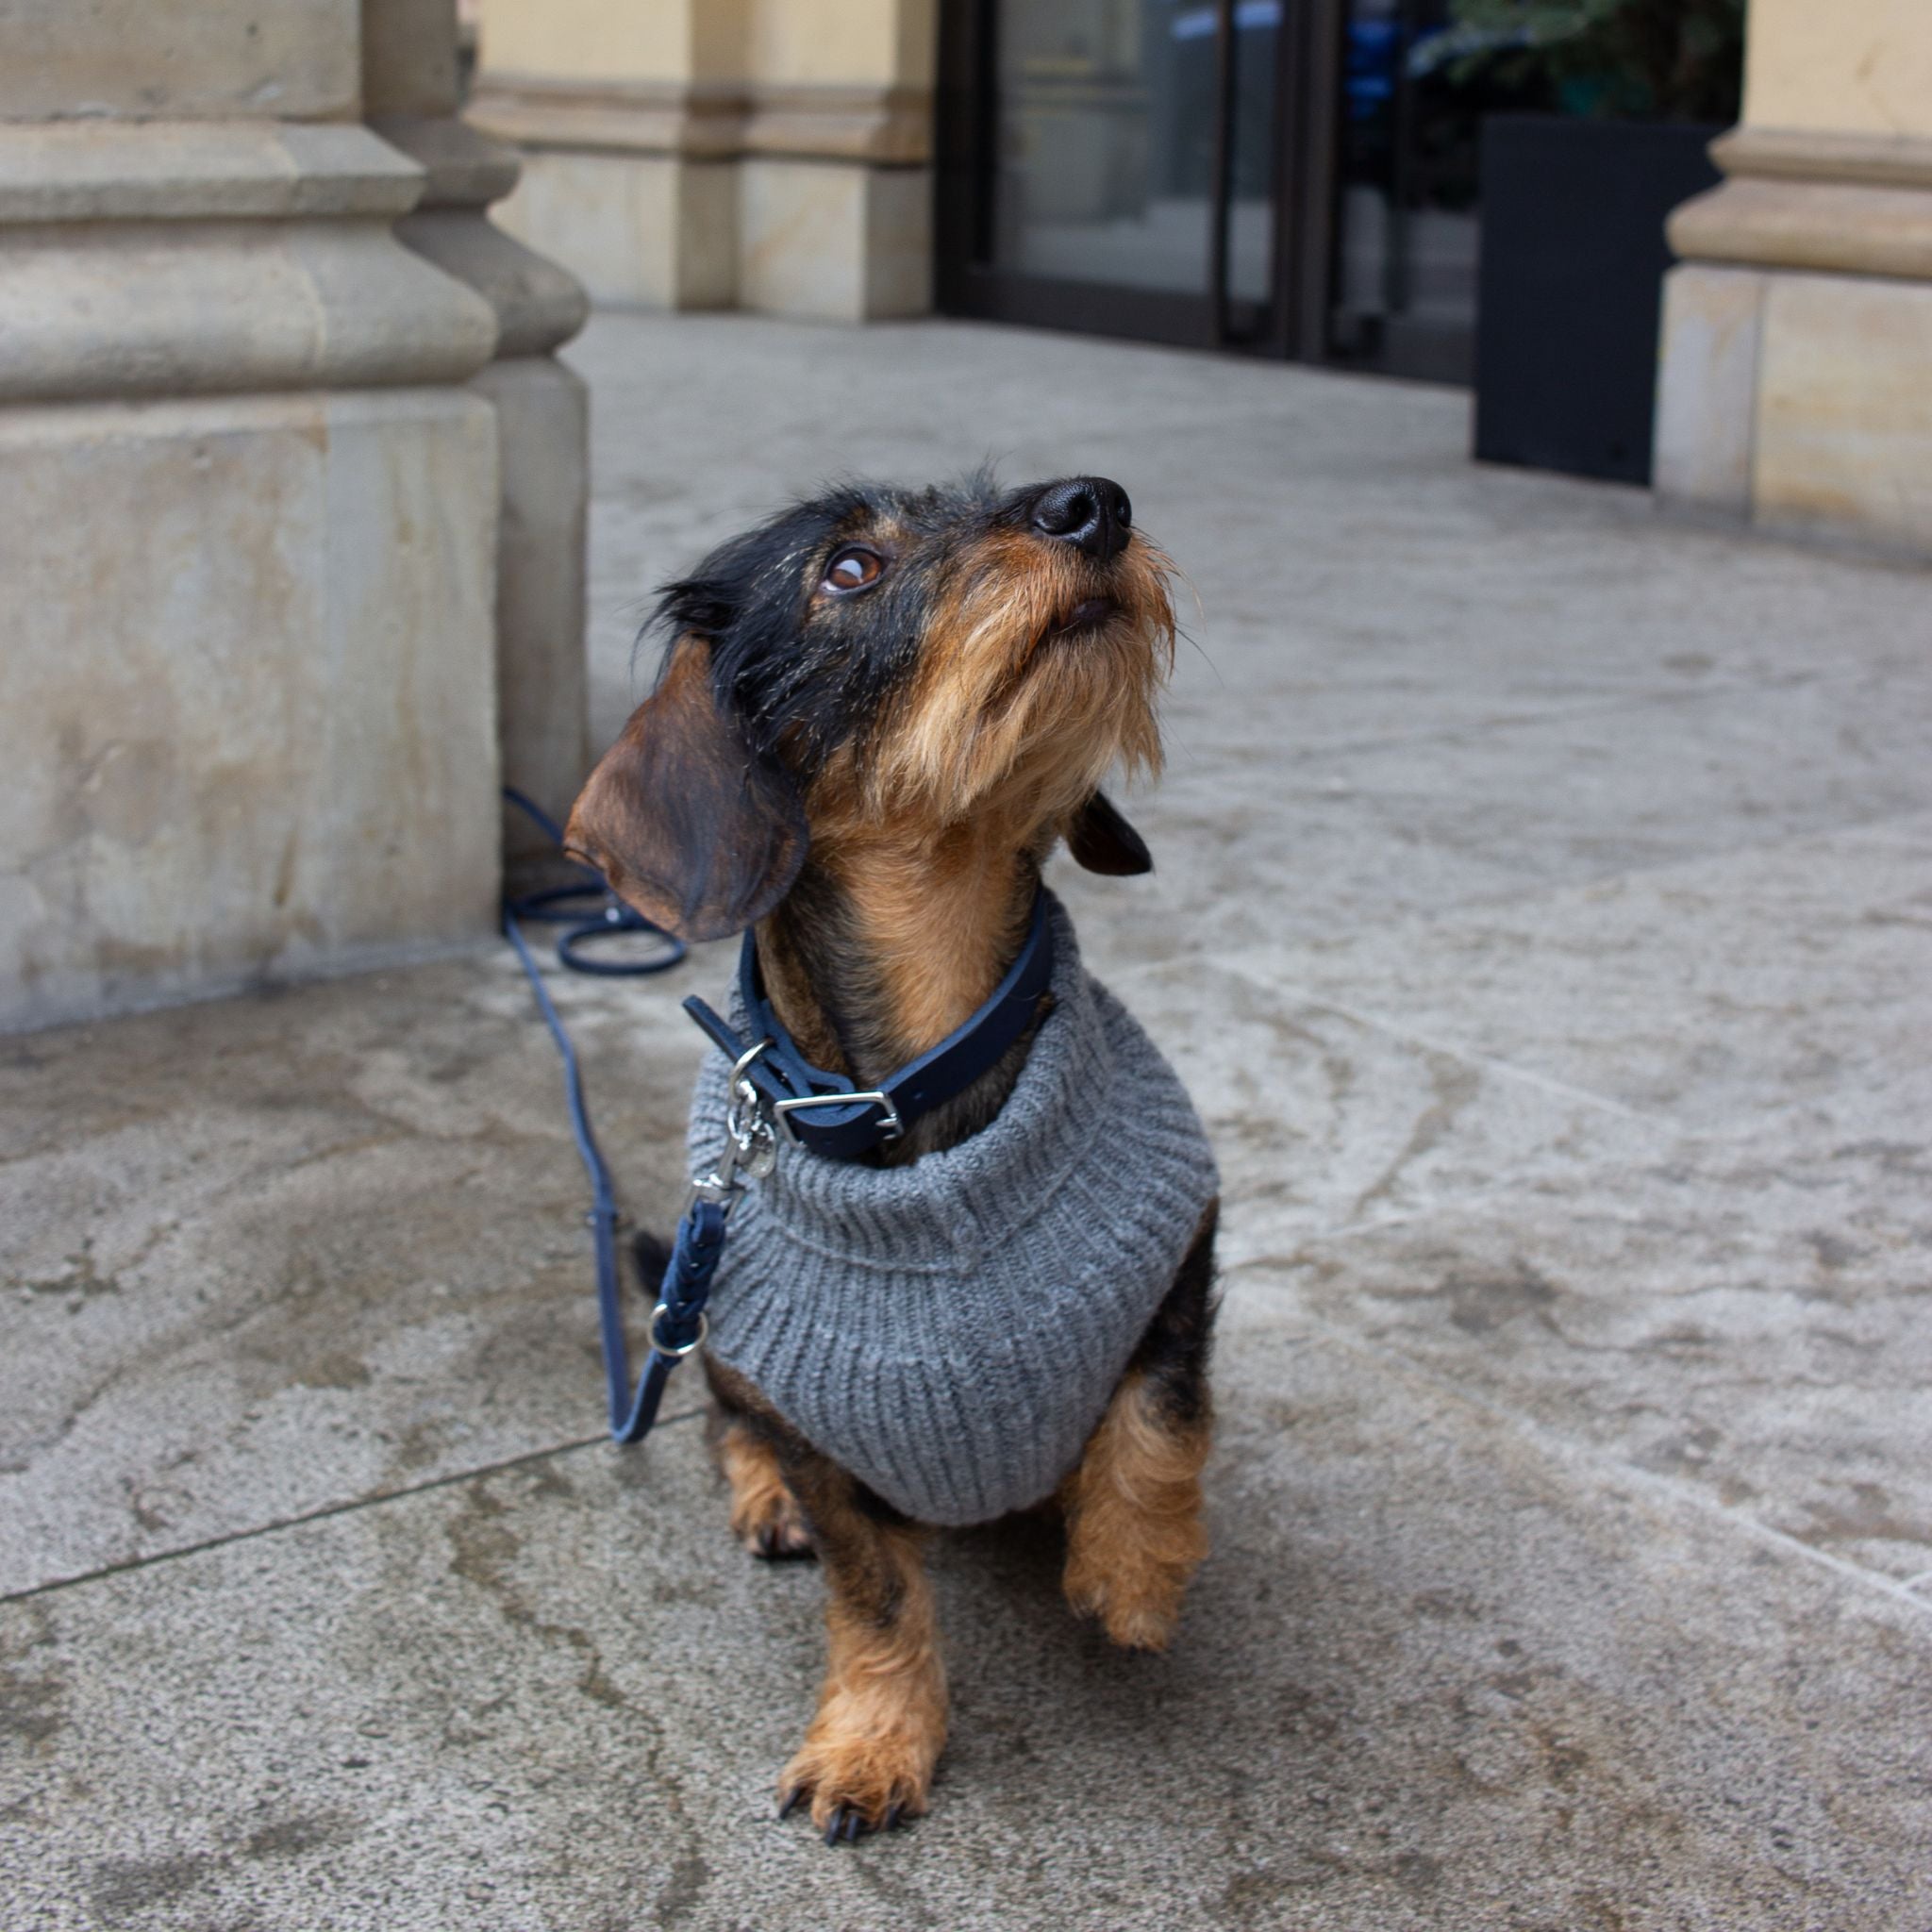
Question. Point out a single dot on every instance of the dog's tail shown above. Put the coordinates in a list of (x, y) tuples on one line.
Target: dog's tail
[(652, 1253)]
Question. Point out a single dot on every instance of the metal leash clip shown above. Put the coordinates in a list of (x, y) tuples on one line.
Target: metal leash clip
[(751, 1142)]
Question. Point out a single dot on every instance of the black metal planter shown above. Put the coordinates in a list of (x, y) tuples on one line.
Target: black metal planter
[(1572, 273)]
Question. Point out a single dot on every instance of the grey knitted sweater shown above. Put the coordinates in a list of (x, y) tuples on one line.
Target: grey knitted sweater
[(950, 1331)]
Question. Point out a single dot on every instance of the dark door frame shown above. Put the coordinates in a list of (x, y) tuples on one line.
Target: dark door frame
[(1293, 322)]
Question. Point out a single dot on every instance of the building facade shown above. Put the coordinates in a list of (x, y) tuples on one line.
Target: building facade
[(1288, 177)]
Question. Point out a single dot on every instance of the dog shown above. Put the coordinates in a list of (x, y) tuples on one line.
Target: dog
[(878, 714)]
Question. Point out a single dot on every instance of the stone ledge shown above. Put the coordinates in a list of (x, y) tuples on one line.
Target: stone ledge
[(122, 309), (884, 126), (1892, 162), (101, 170), (696, 122), (1839, 227), (889, 125), (538, 304), (464, 167)]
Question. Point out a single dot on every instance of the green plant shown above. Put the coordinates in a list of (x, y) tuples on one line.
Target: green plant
[(1633, 59)]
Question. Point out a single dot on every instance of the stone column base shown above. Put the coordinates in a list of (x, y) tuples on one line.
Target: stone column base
[(805, 201), (1801, 402), (834, 242), (543, 678), (246, 716), (1795, 390), (638, 231)]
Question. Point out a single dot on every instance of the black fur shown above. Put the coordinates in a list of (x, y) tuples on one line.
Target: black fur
[(1173, 1353), (804, 681)]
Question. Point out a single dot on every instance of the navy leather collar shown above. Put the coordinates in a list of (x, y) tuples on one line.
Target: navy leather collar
[(825, 1112)]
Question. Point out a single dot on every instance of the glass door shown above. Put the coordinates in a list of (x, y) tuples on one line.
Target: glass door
[(1406, 192), (1111, 165)]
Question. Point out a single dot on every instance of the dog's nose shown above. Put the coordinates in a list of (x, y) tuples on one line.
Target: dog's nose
[(1092, 511)]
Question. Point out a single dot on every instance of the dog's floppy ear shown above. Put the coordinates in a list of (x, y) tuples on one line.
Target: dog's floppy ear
[(689, 825), (1104, 841)]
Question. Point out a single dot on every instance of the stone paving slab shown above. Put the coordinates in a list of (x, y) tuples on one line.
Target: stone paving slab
[(1786, 982), (1747, 1319), (279, 1253), (1437, 1675), (1253, 845), (1323, 1122)]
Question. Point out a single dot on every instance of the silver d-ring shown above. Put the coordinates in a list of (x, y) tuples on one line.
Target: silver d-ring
[(677, 1353), (744, 1061)]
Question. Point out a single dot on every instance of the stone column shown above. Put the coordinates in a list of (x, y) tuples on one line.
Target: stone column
[(411, 94), (247, 723), (708, 154), (1796, 382)]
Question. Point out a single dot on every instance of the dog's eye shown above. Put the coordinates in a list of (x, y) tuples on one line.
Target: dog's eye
[(853, 569)]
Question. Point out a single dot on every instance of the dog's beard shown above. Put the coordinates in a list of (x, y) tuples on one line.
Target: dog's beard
[(1016, 699)]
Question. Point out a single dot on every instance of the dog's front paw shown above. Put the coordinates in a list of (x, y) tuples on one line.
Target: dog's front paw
[(1138, 1606), (773, 1526), (858, 1779), (765, 1516)]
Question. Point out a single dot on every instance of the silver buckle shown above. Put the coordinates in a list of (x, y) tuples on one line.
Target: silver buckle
[(751, 1142), (893, 1129)]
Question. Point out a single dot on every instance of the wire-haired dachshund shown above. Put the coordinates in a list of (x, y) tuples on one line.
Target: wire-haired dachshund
[(878, 714)]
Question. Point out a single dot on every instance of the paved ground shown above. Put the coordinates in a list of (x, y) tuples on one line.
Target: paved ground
[(1544, 924)]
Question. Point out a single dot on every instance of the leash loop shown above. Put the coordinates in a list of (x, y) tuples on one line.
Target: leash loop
[(677, 1350), (571, 905)]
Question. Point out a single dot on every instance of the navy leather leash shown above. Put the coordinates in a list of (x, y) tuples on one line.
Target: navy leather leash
[(677, 1322), (770, 1080), (825, 1112)]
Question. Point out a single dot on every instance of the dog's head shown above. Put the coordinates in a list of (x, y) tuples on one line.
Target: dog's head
[(903, 660)]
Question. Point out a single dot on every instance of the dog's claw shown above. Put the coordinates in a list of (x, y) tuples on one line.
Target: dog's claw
[(852, 1824), (832, 1829), (892, 1817), (790, 1800)]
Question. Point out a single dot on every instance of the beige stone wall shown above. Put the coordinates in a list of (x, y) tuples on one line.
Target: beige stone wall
[(695, 154), (848, 43), (245, 695), (1796, 382), (1840, 66)]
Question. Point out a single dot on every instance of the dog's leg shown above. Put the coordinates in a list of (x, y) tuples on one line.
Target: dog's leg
[(765, 1516), (1133, 1506), (868, 1759)]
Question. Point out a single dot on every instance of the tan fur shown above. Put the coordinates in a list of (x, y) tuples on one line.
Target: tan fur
[(941, 907), (765, 1516), (881, 1721), (1134, 1529), (1002, 704)]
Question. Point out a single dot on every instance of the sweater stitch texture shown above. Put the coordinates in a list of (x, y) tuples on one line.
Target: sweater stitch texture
[(951, 1331)]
